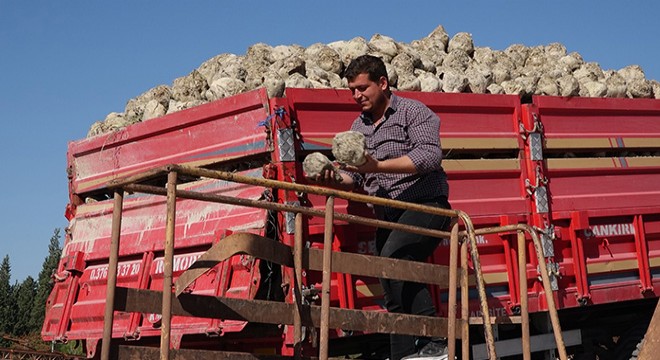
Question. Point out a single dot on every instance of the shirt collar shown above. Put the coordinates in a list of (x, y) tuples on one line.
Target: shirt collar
[(394, 103)]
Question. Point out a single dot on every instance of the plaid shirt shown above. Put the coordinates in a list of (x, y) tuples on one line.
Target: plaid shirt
[(408, 128)]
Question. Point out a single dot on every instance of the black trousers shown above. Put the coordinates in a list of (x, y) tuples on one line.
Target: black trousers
[(402, 296)]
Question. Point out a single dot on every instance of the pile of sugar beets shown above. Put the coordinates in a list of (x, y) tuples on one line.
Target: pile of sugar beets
[(435, 63)]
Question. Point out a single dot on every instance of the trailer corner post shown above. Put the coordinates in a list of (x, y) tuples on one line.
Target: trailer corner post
[(108, 317), (168, 260)]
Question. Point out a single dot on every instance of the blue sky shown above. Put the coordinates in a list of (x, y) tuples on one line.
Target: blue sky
[(66, 64)]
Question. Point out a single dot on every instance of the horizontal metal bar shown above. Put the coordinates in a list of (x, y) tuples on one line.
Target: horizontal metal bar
[(312, 259), (144, 352), (496, 320), (288, 208), (537, 343), (271, 312), (146, 175), (229, 176)]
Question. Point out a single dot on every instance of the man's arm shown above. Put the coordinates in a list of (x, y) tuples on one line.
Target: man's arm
[(400, 165)]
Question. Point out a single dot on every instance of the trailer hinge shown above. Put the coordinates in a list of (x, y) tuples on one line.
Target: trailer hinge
[(134, 336), (553, 274), (60, 277), (539, 191), (538, 127), (547, 240)]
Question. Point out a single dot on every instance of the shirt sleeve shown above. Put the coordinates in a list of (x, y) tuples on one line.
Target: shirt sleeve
[(358, 179), (424, 134)]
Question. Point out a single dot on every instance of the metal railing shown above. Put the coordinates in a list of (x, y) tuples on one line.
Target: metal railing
[(387, 268)]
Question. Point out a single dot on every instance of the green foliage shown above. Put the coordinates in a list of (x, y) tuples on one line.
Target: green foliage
[(6, 301), (24, 299), (44, 281), (22, 306), (72, 348)]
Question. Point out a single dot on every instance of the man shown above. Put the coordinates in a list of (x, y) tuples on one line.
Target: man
[(403, 163)]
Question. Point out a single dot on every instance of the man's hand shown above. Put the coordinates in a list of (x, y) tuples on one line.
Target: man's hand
[(370, 166), (334, 179)]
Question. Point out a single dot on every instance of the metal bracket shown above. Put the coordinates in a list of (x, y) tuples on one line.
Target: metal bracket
[(541, 199), (548, 246), (547, 239), (553, 274), (285, 144), (539, 191), (536, 146), (538, 127), (290, 218)]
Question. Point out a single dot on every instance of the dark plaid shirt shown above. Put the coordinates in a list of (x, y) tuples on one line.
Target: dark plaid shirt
[(408, 128)]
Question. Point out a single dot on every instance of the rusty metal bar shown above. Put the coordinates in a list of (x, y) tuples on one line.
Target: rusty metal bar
[(228, 176), (502, 229), (469, 232), (312, 259), (549, 296), (108, 317), (524, 310), (291, 208), (481, 287), (328, 236), (146, 175), (30, 354), (451, 301), (126, 352), (272, 312), (465, 303), (547, 287), (297, 286), (168, 267), (497, 320), (651, 345)]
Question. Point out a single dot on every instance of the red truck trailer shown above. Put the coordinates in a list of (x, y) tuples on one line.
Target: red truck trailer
[(583, 172)]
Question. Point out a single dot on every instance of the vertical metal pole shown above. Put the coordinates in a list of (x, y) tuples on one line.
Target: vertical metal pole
[(168, 259), (451, 302), (297, 289), (465, 303), (524, 311), (549, 297), (327, 277), (108, 317), (481, 288)]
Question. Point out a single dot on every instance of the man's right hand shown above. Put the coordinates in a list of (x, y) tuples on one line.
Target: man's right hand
[(333, 179)]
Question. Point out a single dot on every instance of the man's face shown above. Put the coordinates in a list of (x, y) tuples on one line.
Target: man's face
[(370, 95)]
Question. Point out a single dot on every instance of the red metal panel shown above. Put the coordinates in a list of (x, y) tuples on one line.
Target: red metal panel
[(470, 123), (79, 315), (603, 177), (143, 221), (624, 133), (224, 129)]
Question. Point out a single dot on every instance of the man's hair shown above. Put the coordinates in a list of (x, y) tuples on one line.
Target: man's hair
[(366, 64)]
